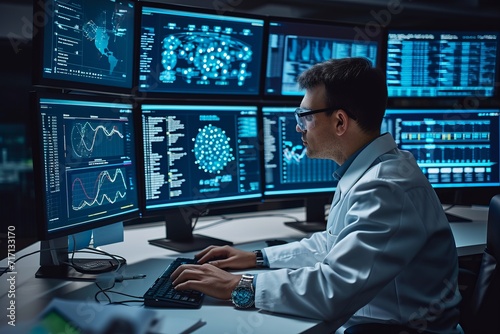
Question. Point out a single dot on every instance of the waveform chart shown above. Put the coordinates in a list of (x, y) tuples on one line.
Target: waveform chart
[(212, 149), (91, 139), (293, 154), (97, 189)]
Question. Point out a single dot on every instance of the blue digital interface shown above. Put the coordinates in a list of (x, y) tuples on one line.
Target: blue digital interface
[(87, 162), (441, 63), (454, 148), (288, 170), (88, 42), (198, 155), (295, 46), (193, 52)]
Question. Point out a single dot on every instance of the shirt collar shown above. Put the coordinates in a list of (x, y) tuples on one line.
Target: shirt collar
[(339, 172)]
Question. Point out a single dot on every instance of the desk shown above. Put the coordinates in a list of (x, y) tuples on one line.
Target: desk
[(248, 231), (470, 238)]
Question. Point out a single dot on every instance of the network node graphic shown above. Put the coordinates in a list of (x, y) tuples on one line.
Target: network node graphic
[(212, 149), (207, 56)]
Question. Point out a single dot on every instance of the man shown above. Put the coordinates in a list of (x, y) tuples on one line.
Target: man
[(387, 254)]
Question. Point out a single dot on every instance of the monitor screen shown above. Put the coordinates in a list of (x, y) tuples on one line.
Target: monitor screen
[(290, 174), (288, 171), (198, 157), (293, 46), (429, 64), (85, 163), (190, 51), (455, 149), (84, 45)]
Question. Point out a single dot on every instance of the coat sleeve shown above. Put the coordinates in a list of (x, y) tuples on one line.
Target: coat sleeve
[(383, 233), (306, 252)]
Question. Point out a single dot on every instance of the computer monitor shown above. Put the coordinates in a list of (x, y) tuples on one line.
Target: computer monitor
[(198, 157), (457, 149), (442, 63), (289, 173), (84, 45), (295, 45), (187, 50), (85, 170)]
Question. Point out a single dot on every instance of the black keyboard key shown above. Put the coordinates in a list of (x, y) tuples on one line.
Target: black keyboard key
[(162, 293)]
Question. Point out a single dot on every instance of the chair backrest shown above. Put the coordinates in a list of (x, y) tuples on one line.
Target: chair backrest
[(485, 308), (493, 234)]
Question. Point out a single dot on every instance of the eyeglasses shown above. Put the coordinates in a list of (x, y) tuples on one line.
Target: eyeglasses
[(302, 114)]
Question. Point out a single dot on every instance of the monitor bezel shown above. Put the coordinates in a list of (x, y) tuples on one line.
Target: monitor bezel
[(39, 81), (43, 232), (142, 94)]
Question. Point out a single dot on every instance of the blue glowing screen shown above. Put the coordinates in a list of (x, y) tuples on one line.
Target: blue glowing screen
[(442, 63), (453, 147), (86, 43), (294, 46), (193, 52), (200, 154), (288, 170), (86, 159)]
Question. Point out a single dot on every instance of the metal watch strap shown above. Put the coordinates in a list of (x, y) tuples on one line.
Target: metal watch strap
[(259, 258), (243, 296)]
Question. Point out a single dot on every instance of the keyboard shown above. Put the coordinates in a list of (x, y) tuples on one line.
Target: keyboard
[(163, 294)]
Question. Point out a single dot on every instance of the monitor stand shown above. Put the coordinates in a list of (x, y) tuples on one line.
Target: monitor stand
[(54, 263), (315, 216), (180, 237)]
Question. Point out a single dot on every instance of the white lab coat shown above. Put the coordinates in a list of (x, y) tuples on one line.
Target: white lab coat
[(388, 253)]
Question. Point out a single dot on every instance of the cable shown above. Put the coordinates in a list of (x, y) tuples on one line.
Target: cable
[(80, 269), (106, 291), (200, 214), (6, 269), (74, 266)]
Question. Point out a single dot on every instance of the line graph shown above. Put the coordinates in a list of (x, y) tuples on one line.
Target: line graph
[(96, 139), (96, 189)]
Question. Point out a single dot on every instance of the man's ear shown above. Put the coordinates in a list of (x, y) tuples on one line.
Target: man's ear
[(341, 121)]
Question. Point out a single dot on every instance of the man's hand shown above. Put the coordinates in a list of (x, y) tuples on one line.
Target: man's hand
[(205, 278), (227, 257)]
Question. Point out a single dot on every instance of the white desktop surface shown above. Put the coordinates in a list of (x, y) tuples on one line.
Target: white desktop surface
[(470, 237), (247, 232)]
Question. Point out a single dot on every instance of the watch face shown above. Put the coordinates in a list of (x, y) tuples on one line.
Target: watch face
[(243, 297)]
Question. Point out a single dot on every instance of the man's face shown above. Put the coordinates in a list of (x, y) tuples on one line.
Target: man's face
[(318, 136)]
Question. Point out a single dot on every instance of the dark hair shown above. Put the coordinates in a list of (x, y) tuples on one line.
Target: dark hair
[(352, 84)]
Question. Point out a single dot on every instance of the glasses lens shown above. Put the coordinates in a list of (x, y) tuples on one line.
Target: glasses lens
[(300, 122), (298, 118)]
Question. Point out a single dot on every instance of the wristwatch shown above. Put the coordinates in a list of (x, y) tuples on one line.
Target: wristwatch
[(243, 295), (259, 259)]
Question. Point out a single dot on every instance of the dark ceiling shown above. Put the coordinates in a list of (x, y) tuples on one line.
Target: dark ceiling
[(473, 13), (394, 12)]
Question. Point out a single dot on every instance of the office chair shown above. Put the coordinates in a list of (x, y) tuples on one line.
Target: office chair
[(480, 305), (480, 312), (381, 328)]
